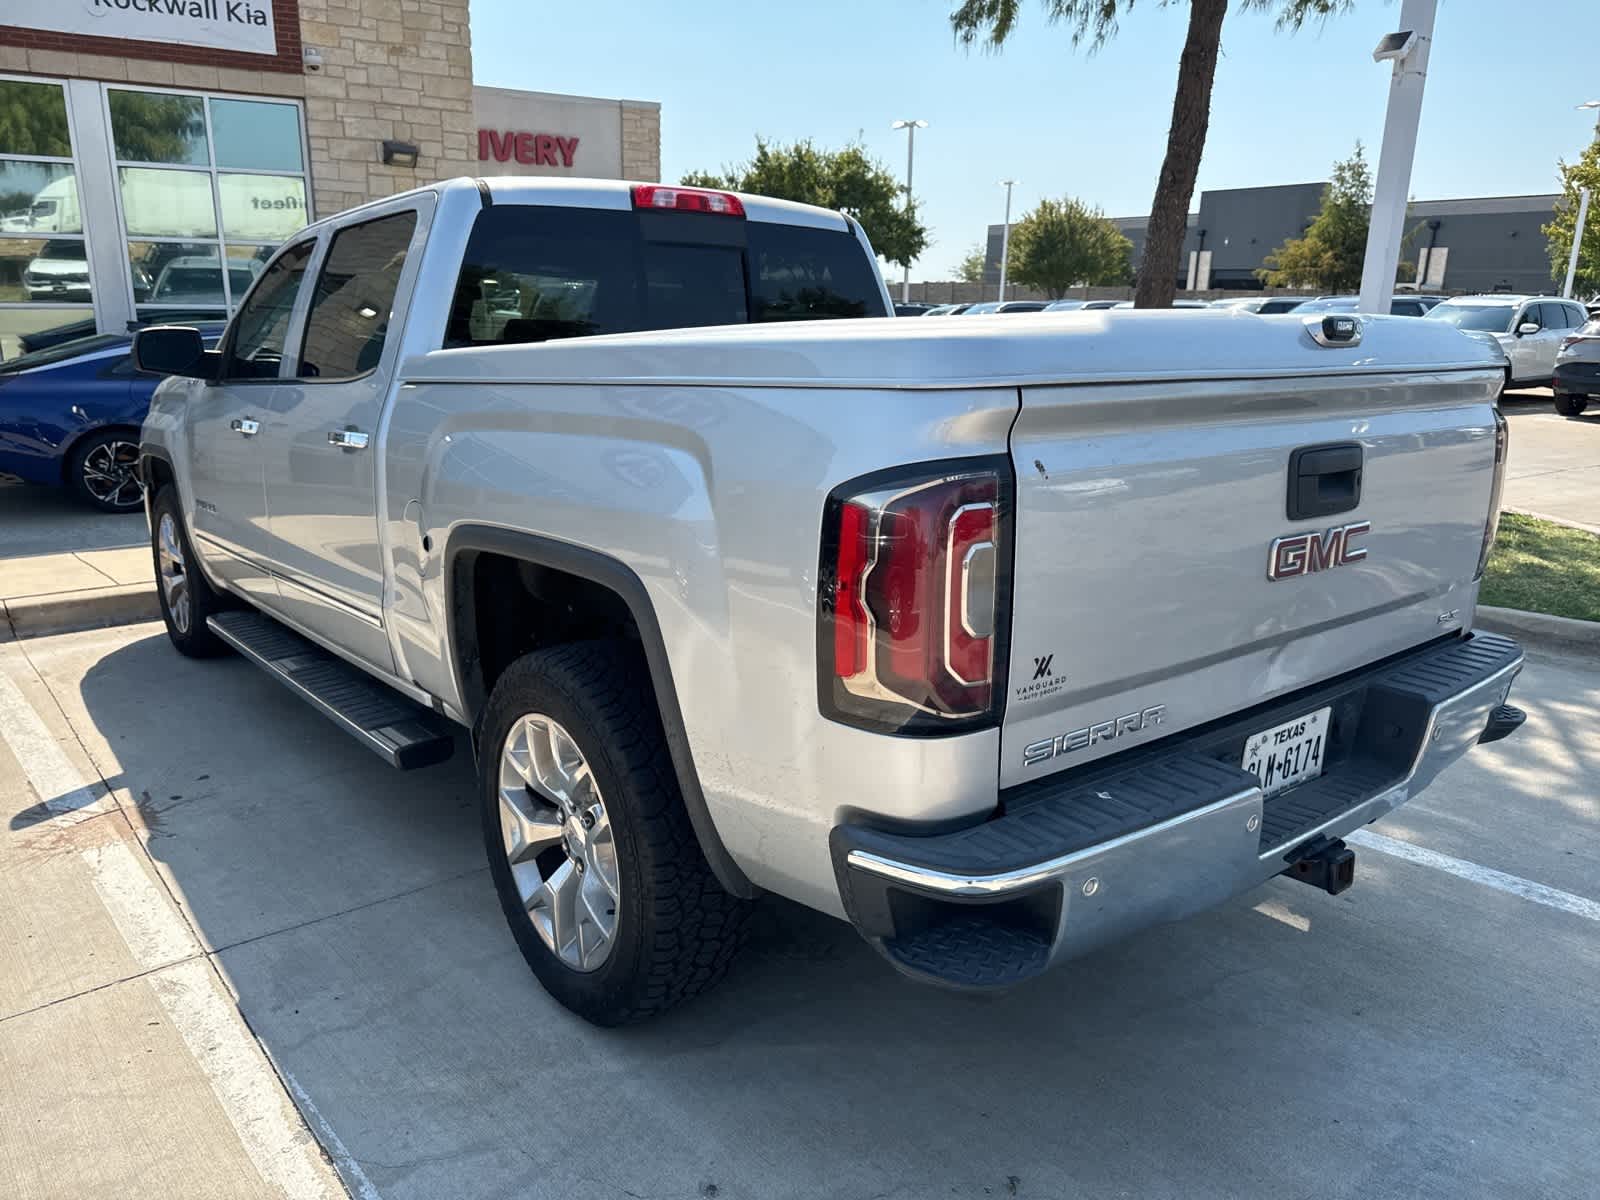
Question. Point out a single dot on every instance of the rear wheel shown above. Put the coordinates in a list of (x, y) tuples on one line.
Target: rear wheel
[(1570, 404), (101, 471), (597, 867), (186, 598)]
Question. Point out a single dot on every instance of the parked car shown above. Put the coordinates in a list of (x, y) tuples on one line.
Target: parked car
[(981, 308), (70, 416), (1265, 306), (944, 310), (1577, 373), (1091, 305), (195, 279), (1065, 305), (1528, 329), (1180, 303), (1023, 306), (912, 310), (725, 610), (1405, 305)]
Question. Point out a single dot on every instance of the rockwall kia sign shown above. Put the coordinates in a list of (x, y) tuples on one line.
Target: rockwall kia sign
[(243, 25)]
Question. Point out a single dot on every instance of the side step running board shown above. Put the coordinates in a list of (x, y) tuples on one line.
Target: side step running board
[(401, 733)]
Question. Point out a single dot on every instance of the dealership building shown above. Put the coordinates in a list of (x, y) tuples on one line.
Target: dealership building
[(153, 153), (1483, 244)]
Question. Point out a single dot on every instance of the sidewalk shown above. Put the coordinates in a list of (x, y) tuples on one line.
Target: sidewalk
[(48, 593)]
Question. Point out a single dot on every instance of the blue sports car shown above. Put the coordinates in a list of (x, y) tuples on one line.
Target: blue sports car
[(70, 416)]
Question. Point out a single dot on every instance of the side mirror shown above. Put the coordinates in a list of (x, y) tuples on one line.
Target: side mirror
[(171, 350), (1527, 327)]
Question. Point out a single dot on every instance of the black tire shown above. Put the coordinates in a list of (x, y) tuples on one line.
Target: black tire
[(677, 929), (186, 626), (101, 471), (1570, 404)]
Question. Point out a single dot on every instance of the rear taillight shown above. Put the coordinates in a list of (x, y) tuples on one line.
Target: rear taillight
[(1501, 441), (1568, 342), (654, 195), (912, 598)]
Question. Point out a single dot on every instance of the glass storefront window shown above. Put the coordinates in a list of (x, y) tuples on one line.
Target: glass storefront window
[(43, 271), (255, 135), (25, 329), (261, 207), (37, 197), (33, 119), (157, 203), (157, 127), (182, 273)]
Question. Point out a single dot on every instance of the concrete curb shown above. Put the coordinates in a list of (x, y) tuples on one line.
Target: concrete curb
[(1578, 525), (1538, 625), (119, 604)]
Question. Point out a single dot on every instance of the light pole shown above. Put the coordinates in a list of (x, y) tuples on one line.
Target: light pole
[(1407, 49), (911, 128), (1005, 237), (1594, 104)]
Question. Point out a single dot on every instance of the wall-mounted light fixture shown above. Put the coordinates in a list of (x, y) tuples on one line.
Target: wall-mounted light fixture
[(311, 58), (399, 154)]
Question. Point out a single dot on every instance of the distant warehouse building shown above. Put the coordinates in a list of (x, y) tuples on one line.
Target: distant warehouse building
[(1481, 244)]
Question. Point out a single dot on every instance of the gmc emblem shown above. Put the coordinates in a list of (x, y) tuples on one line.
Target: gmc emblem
[(1307, 553)]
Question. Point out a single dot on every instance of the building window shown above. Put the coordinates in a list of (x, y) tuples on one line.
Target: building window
[(208, 187), (44, 269)]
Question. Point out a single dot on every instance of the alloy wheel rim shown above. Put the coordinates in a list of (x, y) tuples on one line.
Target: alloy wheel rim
[(174, 576), (559, 842), (109, 475)]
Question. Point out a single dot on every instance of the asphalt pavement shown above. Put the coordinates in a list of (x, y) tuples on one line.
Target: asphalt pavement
[(1433, 1032), (46, 520), (1553, 469)]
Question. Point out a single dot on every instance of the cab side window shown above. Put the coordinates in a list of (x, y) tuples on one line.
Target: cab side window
[(256, 348), (350, 309)]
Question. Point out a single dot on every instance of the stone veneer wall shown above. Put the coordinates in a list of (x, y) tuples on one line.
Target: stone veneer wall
[(392, 69), (641, 141)]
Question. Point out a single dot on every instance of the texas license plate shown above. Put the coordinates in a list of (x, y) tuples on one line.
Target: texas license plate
[(1288, 754)]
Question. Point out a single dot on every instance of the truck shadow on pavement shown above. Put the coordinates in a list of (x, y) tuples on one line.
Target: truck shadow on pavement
[(1284, 1041)]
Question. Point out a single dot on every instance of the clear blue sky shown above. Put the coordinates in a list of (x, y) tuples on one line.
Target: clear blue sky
[(1498, 110)]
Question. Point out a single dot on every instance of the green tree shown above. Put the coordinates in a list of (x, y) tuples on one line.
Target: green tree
[(970, 268), (1062, 243), (1095, 22), (847, 179), (1585, 173), (1329, 255)]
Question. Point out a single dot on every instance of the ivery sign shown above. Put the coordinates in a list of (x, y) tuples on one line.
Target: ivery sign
[(243, 25), (541, 133)]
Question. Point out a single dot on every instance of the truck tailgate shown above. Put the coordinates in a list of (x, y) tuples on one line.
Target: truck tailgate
[(1146, 517)]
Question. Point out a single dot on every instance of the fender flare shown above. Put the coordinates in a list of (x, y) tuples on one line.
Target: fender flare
[(620, 579)]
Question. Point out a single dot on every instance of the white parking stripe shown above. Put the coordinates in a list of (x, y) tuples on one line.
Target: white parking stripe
[(1578, 906), (61, 789)]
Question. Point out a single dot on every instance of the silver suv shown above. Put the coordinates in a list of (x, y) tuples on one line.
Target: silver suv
[(1578, 369), (1528, 329)]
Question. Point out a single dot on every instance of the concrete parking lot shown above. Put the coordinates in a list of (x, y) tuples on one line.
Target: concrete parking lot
[(193, 838), (1554, 466)]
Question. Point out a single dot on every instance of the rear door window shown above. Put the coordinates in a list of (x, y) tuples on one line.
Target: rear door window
[(349, 319)]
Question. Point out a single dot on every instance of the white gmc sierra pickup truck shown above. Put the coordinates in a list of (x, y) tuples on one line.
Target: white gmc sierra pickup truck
[(997, 637)]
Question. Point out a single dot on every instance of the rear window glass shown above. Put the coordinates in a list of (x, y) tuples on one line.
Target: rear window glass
[(533, 273)]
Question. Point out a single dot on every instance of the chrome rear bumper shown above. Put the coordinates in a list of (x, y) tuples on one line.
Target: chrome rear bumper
[(974, 908)]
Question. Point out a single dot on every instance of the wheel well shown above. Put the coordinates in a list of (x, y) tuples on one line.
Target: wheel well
[(505, 607), (71, 448), (156, 474)]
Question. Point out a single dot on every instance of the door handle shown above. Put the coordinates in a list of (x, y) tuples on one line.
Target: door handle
[(248, 426), (349, 439)]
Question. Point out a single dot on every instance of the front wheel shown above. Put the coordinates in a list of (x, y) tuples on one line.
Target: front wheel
[(597, 867), (186, 598), (1570, 404), (101, 471)]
